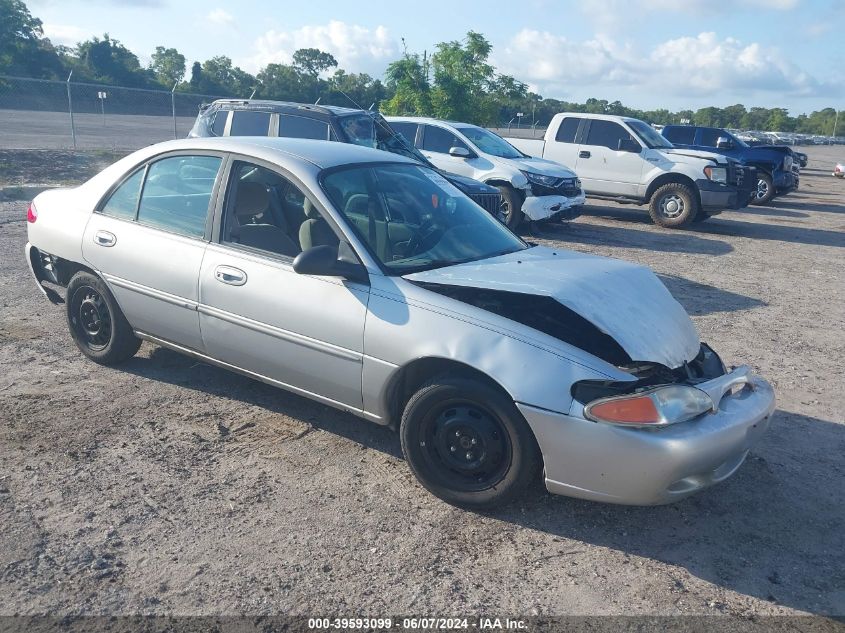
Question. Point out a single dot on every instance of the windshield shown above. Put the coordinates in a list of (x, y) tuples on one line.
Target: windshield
[(371, 130), (648, 135), (490, 143), (413, 219)]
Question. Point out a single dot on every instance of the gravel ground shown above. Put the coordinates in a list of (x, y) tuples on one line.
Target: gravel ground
[(167, 486)]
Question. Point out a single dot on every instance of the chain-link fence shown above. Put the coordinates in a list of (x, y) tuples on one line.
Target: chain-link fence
[(44, 114)]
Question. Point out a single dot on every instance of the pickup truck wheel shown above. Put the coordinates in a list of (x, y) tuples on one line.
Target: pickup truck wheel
[(673, 205), (511, 207), (467, 443), (765, 189), (97, 325)]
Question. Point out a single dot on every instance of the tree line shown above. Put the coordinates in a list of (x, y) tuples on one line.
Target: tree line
[(456, 81)]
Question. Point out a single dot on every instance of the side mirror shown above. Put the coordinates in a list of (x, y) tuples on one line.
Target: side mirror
[(325, 261), (629, 145), (460, 152), (317, 260), (723, 142)]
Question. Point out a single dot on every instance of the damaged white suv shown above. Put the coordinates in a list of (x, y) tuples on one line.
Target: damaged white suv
[(368, 282), (533, 188)]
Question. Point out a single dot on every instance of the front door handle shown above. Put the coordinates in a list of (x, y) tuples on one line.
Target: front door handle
[(584, 154), (230, 275), (104, 238)]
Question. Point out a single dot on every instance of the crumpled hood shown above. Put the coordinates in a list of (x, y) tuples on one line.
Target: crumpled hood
[(624, 300), (539, 166), (694, 153)]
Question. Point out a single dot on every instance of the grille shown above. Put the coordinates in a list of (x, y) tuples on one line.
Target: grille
[(490, 202), (568, 187)]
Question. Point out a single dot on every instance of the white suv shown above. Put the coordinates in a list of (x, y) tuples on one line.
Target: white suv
[(535, 188)]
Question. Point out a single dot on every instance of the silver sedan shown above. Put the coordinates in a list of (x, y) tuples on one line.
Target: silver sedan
[(368, 282)]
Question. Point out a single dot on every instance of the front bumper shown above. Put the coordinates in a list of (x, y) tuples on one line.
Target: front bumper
[(557, 207), (716, 196), (785, 181), (613, 464)]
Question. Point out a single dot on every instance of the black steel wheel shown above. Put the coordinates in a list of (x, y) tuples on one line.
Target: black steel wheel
[(467, 443), (96, 323)]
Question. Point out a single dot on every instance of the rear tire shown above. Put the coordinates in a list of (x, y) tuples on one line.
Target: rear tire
[(765, 189), (96, 323), (467, 443), (673, 205), (511, 207)]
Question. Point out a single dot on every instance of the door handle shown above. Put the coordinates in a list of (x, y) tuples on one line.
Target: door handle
[(230, 275), (104, 238), (584, 154)]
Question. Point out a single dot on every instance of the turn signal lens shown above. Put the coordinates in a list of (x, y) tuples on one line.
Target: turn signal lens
[(31, 213), (627, 411), (661, 406)]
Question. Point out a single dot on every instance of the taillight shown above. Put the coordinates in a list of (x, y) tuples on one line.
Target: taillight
[(31, 213)]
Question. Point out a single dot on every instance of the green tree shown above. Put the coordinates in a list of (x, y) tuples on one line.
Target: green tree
[(107, 60), (407, 79), (23, 50), (354, 89), (286, 83), (313, 61), (168, 64), (462, 79), (218, 76)]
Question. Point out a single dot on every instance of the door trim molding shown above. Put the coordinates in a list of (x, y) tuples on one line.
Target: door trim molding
[(150, 292)]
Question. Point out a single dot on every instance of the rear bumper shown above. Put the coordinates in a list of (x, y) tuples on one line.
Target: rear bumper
[(33, 259), (558, 207), (609, 463)]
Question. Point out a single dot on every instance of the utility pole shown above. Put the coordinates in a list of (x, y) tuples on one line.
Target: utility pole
[(173, 108), (835, 121), (70, 110)]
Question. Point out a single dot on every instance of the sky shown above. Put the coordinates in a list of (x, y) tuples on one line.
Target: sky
[(647, 54)]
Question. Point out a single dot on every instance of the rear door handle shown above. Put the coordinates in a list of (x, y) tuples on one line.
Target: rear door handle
[(104, 238), (230, 275), (584, 154)]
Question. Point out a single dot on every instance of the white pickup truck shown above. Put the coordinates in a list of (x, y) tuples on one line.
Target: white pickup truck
[(627, 160)]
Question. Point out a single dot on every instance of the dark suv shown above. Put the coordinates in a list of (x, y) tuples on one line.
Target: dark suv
[(252, 117)]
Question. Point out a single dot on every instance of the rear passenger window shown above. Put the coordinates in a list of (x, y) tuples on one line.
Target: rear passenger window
[(408, 130), (250, 123), (123, 203), (177, 193), (218, 128), (567, 130), (300, 127), (682, 135), (436, 139), (606, 134)]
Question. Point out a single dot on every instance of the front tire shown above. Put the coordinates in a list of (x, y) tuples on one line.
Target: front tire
[(96, 323), (765, 189), (467, 443), (673, 205), (511, 207)]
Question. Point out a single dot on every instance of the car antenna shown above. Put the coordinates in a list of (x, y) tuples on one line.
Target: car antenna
[(317, 102)]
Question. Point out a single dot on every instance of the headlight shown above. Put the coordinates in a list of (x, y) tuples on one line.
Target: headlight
[(541, 179), (716, 174), (657, 407)]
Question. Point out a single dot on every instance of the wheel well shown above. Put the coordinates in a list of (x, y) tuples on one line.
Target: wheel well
[(665, 179), (66, 269), (495, 182), (407, 381)]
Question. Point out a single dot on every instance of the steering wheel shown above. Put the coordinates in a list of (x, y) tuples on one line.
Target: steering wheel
[(418, 243)]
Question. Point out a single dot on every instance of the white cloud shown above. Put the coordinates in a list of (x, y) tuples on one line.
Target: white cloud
[(220, 17), (64, 34), (356, 48), (684, 67)]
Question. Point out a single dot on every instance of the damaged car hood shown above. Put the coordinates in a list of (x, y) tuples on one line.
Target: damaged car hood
[(623, 300)]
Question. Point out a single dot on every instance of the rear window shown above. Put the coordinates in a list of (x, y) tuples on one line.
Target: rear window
[(682, 135), (177, 193), (301, 127), (567, 130), (249, 123)]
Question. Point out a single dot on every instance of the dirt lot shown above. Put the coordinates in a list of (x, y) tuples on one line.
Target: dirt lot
[(168, 486)]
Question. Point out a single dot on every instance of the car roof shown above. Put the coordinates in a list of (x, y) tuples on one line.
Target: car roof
[(426, 119), (603, 117), (285, 106), (322, 154)]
